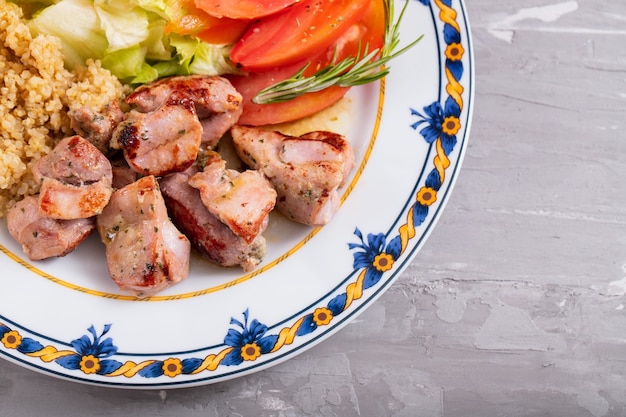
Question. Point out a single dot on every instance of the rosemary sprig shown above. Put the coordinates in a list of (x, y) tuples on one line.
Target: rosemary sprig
[(361, 69)]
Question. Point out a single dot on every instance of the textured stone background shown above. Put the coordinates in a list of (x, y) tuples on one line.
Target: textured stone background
[(515, 306)]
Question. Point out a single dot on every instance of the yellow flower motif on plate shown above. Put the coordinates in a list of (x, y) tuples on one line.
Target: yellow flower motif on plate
[(172, 367), (89, 364), (250, 351), (426, 196), (451, 125), (455, 51), (322, 316), (12, 340), (383, 262)]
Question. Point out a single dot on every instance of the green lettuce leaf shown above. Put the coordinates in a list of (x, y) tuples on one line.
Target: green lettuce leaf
[(123, 26), (129, 38), (76, 23)]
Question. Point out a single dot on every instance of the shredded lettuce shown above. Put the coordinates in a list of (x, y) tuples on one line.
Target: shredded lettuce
[(74, 22), (129, 38), (123, 28)]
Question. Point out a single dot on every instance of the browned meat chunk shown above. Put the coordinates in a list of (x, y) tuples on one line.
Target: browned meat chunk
[(217, 103), (75, 180), (242, 201), (144, 250), (212, 238), (123, 174), (161, 141), (97, 127), (43, 237), (306, 171), (227, 151)]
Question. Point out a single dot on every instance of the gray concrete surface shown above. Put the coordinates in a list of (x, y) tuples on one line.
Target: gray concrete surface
[(515, 306)]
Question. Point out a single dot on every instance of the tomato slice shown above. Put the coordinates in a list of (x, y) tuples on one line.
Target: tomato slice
[(223, 31), (243, 9), (187, 19), (266, 114), (369, 30), (297, 33)]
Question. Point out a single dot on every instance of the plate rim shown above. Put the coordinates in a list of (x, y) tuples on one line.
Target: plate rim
[(448, 16)]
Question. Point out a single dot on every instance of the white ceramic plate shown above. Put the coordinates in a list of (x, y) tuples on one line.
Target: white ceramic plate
[(66, 318)]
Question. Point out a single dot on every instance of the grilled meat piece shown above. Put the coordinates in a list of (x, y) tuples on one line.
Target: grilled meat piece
[(76, 180), (217, 103), (97, 127), (241, 200), (209, 236), (306, 171), (160, 141), (123, 174), (43, 237), (145, 252)]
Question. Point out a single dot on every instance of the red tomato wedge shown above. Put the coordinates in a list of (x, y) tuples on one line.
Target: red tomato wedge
[(369, 30), (187, 19), (297, 108), (303, 30), (224, 32), (243, 9)]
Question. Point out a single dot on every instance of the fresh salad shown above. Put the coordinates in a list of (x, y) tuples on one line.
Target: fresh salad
[(288, 58)]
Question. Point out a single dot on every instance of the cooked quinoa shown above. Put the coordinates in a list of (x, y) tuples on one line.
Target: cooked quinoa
[(36, 93)]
